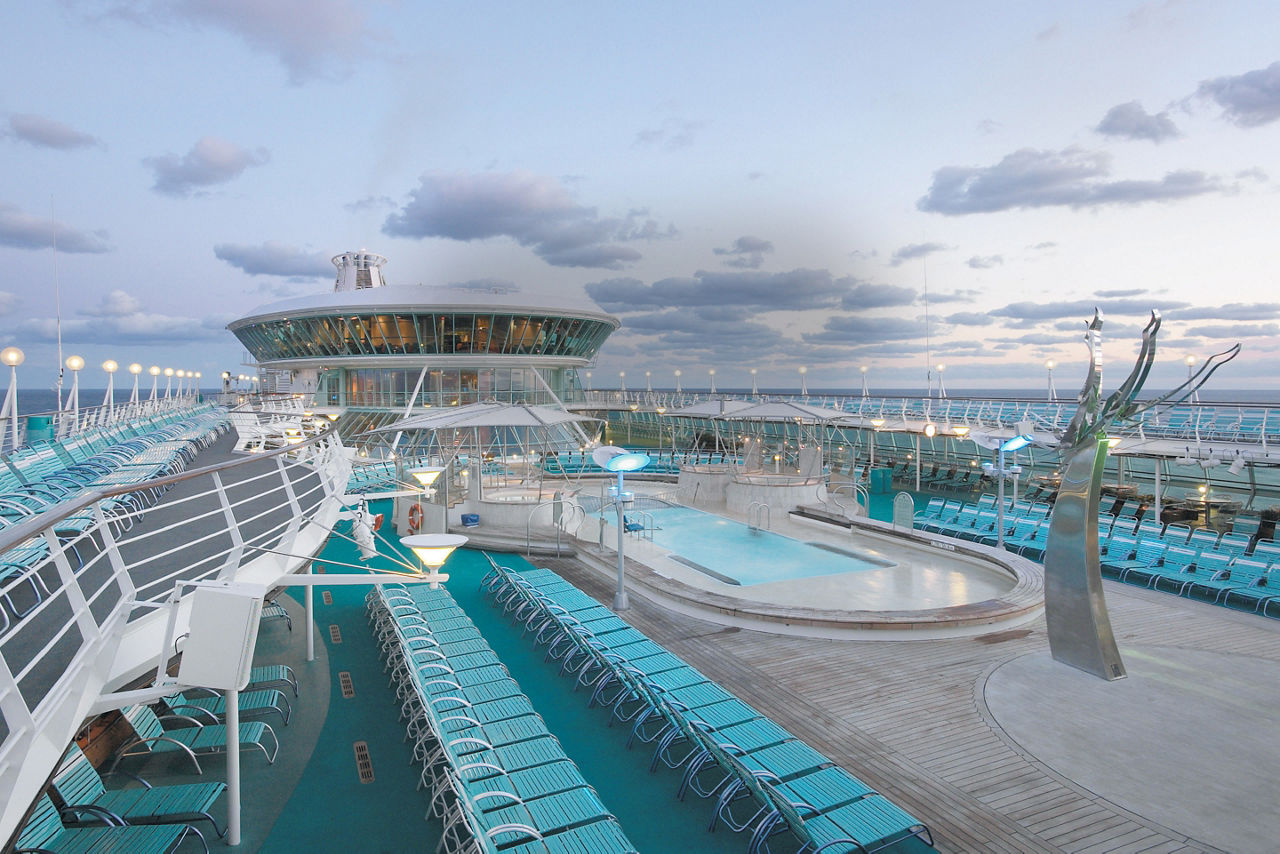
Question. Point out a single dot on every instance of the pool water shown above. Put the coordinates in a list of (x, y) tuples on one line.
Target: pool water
[(737, 554)]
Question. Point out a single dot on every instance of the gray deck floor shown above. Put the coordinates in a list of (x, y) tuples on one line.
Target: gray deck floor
[(998, 748)]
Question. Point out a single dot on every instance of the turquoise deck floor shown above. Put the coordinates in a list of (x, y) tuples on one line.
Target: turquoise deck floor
[(331, 810)]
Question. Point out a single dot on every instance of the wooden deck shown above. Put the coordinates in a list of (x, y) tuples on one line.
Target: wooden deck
[(909, 716)]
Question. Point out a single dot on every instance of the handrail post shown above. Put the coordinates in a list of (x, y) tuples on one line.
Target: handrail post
[(233, 528)]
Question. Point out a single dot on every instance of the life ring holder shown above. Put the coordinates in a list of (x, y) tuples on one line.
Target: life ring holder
[(415, 517)]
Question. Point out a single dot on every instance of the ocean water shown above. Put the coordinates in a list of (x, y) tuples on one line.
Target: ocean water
[(35, 401)]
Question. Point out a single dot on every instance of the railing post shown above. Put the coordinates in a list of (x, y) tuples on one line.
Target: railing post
[(237, 542)]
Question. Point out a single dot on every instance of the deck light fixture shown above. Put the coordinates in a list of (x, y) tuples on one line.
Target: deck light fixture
[(942, 389), (614, 459), (134, 369), (804, 386), (678, 372), (863, 370), (1000, 471), (154, 370), (74, 364), (648, 381), (712, 373), (754, 389), (12, 357), (109, 401), (168, 382), (1049, 365), (622, 381), (433, 550)]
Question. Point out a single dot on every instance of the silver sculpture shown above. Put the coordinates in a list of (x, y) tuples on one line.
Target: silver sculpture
[(1076, 611)]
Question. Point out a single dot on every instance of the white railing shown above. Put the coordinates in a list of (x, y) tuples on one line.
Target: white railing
[(106, 592)]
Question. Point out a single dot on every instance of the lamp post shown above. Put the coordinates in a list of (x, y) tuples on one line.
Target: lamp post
[(929, 430), (863, 370), (648, 382), (168, 382), (622, 381), (942, 389), (588, 382), (612, 458), (754, 391), (876, 424), (196, 384), (426, 476), (804, 386), (154, 370), (1049, 365), (712, 374), (1190, 361), (74, 364), (678, 372), (1000, 472), (134, 369), (109, 401), (433, 550), (12, 357), (180, 375)]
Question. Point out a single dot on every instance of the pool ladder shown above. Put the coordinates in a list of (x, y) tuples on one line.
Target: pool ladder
[(759, 516)]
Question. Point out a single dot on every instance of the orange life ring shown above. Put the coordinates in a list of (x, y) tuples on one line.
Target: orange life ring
[(377, 522), (415, 517)]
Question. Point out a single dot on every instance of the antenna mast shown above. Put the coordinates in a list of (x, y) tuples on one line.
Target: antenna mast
[(57, 295)]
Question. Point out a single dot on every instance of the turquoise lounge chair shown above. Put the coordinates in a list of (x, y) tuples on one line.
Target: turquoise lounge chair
[(44, 832)]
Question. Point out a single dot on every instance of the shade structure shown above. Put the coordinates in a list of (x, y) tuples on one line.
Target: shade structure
[(484, 415), (710, 409), (783, 410)]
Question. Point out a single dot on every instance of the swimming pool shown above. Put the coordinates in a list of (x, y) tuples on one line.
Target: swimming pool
[(736, 554)]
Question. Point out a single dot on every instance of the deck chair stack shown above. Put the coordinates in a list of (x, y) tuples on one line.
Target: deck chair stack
[(498, 778), (763, 780), (45, 831)]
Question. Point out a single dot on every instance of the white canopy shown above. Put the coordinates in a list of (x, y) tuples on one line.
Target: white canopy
[(783, 410), (484, 415)]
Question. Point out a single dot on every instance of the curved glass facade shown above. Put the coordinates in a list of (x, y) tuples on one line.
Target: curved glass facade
[(391, 388), (423, 333)]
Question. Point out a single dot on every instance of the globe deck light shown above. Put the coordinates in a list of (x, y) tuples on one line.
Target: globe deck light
[(433, 550), (612, 458)]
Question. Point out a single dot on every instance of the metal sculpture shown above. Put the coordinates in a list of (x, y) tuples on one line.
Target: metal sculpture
[(1076, 611)]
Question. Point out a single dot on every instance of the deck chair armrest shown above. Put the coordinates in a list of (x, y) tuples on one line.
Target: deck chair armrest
[(121, 752), (512, 827), (469, 740), (498, 793), (113, 772), (187, 718), (213, 719), (74, 811), (466, 718), (478, 765), (201, 691)]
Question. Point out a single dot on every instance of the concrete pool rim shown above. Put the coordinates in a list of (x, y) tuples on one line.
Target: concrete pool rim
[(1020, 604)]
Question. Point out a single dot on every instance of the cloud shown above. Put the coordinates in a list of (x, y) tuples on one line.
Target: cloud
[(117, 303), (44, 132), (1082, 309), (1247, 100), (9, 302), (858, 329), (210, 161), (535, 211), (797, 290), (1122, 292), (24, 231), (1230, 311), (369, 203), (672, 134), (1037, 179), (712, 333), (962, 295), (118, 319), (867, 296), (312, 38), (969, 318), (985, 262), (1131, 121), (1044, 245), (1237, 330), (746, 253), (275, 259), (915, 250)]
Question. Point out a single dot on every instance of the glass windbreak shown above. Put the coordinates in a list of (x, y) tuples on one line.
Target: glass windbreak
[(391, 388)]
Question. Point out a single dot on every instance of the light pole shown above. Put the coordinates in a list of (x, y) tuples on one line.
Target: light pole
[(1000, 472), (678, 372), (1190, 361), (612, 458), (930, 430), (863, 371), (426, 476), (109, 401), (74, 364), (712, 373), (754, 391), (942, 389), (134, 369), (804, 386), (588, 382), (433, 550), (648, 382), (622, 381), (12, 357), (168, 382), (876, 424), (154, 370)]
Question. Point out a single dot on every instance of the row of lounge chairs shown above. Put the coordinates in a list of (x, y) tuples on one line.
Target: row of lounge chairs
[(1229, 568), (499, 780), (40, 476), (764, 780), (80, 813)]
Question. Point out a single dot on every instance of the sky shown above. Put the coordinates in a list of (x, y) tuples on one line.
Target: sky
[(816, 186)]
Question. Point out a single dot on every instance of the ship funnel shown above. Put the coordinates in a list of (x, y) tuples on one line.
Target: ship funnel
[(358, 270)]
